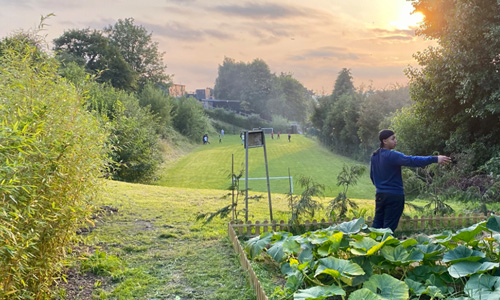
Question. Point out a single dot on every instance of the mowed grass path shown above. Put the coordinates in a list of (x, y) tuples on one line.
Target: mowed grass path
[(209, 166), (168, 254)]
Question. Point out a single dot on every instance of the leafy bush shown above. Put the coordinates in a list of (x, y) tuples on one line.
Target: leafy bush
[(190, 119), (159, 103), (252, 121), (136, 145), (51, 154)]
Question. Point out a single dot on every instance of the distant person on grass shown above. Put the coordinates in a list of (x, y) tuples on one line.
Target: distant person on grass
[(385, 173), (289, 137), (278, 135), (272, 135)]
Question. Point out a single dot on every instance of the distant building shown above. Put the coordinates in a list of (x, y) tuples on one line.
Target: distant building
[(233, 105), (177, 90), (206, 93)]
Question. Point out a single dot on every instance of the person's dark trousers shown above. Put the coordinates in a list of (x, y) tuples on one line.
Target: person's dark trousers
[(388, 210)]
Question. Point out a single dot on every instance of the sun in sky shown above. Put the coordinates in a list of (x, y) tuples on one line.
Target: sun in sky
[(407, 19)]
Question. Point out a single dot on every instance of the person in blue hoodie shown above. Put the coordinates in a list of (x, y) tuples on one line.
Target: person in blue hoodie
[(385, 173)]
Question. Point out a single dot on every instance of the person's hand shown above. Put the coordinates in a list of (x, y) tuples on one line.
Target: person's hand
[(443, 160)]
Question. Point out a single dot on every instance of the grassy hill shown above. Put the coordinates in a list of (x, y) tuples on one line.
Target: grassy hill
[(209, 166)]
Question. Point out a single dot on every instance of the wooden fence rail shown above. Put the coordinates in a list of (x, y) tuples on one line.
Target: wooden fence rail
[(245, 264), (407, 224)]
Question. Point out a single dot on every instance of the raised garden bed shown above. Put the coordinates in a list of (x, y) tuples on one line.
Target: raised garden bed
[(344, 261)]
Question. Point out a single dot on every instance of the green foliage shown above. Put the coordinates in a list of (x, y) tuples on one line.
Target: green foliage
[(190, 119), (338, 207), (360, 262), (304, 204), (249, 122), (378, 106), (92, 50), (456, 85), (349, 120), (139, 51), (262, 92), (134, 139), (159, 103), (235, 191), (102, 264), (52, 155)]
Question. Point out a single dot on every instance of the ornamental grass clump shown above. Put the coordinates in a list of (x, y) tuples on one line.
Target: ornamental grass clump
[(51, 158)]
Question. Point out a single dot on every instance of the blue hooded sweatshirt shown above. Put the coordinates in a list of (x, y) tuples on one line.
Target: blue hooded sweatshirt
[(385, 169)]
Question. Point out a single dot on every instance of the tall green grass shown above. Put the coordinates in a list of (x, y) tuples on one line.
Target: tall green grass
[(209, 166)]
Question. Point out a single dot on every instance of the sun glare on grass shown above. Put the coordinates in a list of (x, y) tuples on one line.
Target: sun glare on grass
[(407, 20)]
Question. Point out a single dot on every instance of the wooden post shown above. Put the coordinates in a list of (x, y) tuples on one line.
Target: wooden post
[(257, 228), (232, 185), (267, 175), (246, 175)]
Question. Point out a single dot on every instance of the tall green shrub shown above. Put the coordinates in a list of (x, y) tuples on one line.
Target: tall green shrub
[(190, 119), (51, 157)]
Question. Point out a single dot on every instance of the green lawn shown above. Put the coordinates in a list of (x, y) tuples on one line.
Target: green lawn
[(166, 253), (209, 166)]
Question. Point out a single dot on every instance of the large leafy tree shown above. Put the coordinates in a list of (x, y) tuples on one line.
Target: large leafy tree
[(333, 113), (375, 109), (91, 49), (139, 50), (297, 99), (251, 83), (456, 89)]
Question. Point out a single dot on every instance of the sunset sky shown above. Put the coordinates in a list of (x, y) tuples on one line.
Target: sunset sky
[(313, 40)]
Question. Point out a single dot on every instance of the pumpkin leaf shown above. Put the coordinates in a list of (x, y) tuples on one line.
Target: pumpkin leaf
[(462, 253), (387, 287), (467, 268), (318, 293), (483, 286), (364, 294)]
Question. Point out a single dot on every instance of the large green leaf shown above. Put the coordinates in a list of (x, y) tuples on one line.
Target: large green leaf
[(255, 245), (338, 268), (483, 287), (431, 251), (276, 251), (422, 273), (468, 234), (364, 294), (437, 282), (365, 263), (467, 268), (462, 253), (387, 287), (409, 242), (291, 246), (443, 238), (332, 245), (306, 254), (376, 233), (367, 246), (351, 227), (400, 256), (493, 223), (295, 281), (416, 288), (318, 293)]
